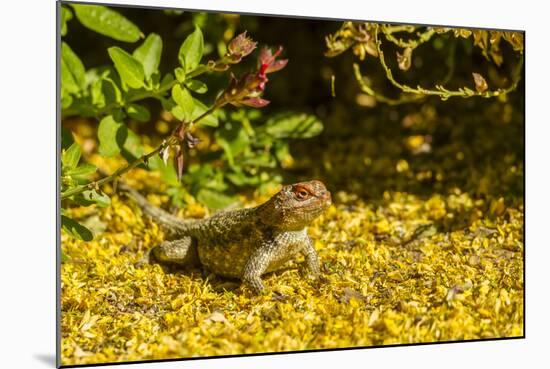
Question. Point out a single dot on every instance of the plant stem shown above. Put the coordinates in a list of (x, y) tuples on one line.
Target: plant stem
[(404, 99), (117, 173), (413, 43), (440, 90), (389, 29), (141, 160)]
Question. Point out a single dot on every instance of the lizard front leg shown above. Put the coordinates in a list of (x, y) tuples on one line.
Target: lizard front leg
[(312, 259), (257, 264)]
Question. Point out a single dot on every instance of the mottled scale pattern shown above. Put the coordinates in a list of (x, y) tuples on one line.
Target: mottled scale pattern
[(244, 243)]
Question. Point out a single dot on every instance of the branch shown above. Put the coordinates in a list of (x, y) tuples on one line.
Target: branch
[(439, 90), (395, 29), (404, 99), (141, 160), (379, 97), (412, 43)]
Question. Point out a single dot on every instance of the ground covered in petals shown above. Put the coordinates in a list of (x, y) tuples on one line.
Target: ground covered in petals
[(402, 268)]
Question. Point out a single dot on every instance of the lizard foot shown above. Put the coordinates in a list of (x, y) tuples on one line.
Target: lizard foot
[(146, 259), (318, 281)]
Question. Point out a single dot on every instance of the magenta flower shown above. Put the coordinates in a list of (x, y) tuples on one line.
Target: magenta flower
[(268, 63), (248, 89)]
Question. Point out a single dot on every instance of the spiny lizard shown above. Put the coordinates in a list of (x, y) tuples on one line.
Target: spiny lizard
[(244, 243)]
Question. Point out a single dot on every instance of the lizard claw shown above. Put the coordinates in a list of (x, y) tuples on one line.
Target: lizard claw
[(322, 279), (146, 259), (318, 280)]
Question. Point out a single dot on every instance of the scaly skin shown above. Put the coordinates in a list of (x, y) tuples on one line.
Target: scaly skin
[(244, 243)]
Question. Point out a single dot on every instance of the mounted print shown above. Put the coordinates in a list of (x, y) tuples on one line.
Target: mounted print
[(235, 184)]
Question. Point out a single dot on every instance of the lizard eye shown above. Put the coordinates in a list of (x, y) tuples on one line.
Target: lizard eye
[(302, 194)]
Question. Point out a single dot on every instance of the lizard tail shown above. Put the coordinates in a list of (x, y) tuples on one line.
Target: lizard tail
[(163, 218)]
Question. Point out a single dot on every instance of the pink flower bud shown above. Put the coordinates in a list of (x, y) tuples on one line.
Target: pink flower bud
[(240, 47), (255, 102)]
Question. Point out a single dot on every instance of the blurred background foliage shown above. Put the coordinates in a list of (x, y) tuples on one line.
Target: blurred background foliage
[(334, 113)]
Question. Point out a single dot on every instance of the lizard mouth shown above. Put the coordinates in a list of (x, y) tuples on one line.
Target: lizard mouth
[(318, 207), (325, 199)]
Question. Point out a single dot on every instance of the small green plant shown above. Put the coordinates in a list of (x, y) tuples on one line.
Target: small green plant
[(250, 151)]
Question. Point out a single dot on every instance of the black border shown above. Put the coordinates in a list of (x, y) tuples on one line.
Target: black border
[(58, 191), (393, 345)]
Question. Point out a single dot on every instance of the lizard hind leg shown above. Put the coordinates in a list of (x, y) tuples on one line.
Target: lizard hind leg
[(182, 251)]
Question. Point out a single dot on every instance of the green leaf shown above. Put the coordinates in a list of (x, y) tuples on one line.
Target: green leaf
[(107, 133), (191, 50), (83, 170), (104, 91), (167, 171), (214, 199), (233, 139), (94, 74), (180, 74), (66, 15), (111, 91), (177, 111), (66, 99), (75, 229), (67, 138), (71, 156), (282, 151), (166, 81), (177, 196), (138, 112), (73, 73), (114, 138), (96, 93), (107, 22), (149, 54), (90, 197), (258, 159), (196, 86), (289, 125), (83, 107), (183, 98), (211, 120), (118, 114), (240, 179), (129, 68), (131, 147), (204, 176)]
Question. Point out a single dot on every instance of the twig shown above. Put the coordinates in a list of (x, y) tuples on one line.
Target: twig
[(413, 43), (439, 90), (379, 97), (395, 29), (141, 160)]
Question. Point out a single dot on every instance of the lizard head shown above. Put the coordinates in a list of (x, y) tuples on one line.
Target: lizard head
[(296, 205)]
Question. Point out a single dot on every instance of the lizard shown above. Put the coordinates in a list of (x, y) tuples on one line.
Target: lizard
[(244, 243)]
